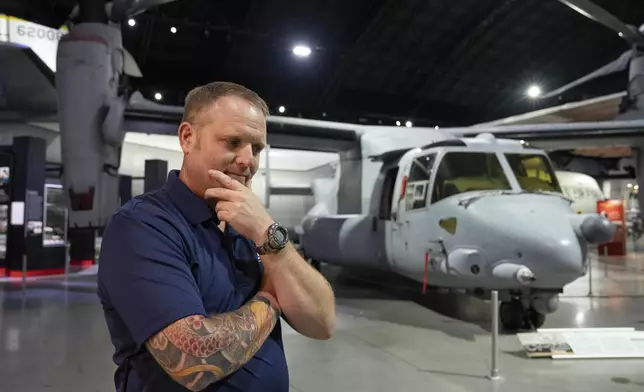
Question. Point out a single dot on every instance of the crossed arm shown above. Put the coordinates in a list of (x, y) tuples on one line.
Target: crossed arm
[(197, 351), (305, 296)]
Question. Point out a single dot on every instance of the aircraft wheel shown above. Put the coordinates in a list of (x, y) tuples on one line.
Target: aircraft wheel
[(512, 315), (536, 319)]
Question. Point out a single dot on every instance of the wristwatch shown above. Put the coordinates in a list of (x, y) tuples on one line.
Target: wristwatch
[(276, 240)]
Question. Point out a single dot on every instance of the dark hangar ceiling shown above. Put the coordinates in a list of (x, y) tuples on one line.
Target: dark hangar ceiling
[(436, 62)]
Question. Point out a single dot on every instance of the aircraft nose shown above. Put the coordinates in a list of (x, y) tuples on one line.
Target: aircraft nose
[(534, 232)]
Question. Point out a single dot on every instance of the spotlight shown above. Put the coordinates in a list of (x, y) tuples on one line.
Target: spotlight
[(533, 91), (302, 51)]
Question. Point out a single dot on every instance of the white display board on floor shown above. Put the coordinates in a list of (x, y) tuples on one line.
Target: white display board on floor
[(583, 343)]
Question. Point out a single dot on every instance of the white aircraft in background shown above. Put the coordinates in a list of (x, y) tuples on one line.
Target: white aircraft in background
[(582, 189)]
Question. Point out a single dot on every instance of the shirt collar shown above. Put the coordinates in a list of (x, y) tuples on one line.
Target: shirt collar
[(193, 207)]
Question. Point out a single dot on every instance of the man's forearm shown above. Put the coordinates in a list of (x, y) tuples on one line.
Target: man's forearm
[(304, 295), (198, 350)]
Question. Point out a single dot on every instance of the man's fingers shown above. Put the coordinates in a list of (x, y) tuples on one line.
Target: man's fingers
[(227, 206), (221, 194), (224, 180), (225, 210)]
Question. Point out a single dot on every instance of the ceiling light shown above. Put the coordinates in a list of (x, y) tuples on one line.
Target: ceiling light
[(158, 96), (436, 127), (397, 123), (408, 124), (301, 51), (636, 187), (131, 22), (281, 109), (533, 91), (173, 30), (629, 185)]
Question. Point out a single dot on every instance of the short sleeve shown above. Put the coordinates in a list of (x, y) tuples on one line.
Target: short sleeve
[(144, 273)]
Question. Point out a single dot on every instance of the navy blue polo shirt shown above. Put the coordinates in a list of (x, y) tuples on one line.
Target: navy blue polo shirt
[(162, 259)]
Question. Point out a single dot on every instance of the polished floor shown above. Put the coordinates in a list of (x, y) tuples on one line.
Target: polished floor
[(53, 338)]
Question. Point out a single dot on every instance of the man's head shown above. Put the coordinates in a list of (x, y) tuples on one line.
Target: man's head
[(223, 128)]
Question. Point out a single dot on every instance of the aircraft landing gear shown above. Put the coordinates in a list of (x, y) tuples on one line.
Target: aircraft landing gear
[(515, 316)]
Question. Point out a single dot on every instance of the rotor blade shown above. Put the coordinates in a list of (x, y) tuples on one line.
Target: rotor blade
[(573, 128), (618, 65), (600, 15), (130, 67)]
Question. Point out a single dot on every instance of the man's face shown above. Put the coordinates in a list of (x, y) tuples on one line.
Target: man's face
[(227, 136)]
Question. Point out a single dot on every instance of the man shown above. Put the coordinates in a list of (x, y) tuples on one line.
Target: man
[(194, 277)]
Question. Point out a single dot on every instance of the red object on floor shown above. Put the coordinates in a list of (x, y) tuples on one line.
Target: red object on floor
[(3, 271), (82, 263), (614, 211), (40, 272)]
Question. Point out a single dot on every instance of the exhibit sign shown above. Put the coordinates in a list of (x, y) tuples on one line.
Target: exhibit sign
[(614, 211), (41, 39)]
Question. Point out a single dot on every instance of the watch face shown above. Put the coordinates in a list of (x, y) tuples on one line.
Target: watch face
[(279, 237)]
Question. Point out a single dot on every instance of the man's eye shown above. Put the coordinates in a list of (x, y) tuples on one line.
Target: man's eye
[(234, 143), (257, 149)]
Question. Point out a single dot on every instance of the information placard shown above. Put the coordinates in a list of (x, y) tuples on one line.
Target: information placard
[(583, 343)]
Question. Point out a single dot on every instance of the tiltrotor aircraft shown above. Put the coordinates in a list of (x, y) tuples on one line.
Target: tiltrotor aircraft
[(471, 213)]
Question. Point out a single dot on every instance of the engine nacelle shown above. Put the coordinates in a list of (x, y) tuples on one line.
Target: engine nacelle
[(346, 240), (90, 112)]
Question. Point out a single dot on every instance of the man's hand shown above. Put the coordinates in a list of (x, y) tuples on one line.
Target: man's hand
[(238, 206), (303, 295)]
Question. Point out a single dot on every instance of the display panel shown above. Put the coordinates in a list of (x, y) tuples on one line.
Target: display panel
[(6, 160), (55, 222)]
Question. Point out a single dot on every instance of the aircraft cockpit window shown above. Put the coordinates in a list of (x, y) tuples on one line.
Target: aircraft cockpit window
[(464, 171), (418, 181), (533, 172)]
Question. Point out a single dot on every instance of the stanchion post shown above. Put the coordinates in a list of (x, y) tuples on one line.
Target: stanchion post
[(605, 261), (494, 370), (24, 270), (590, 275), (66, 262)]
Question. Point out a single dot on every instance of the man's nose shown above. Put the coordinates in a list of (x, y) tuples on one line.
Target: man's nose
[(245, 156)]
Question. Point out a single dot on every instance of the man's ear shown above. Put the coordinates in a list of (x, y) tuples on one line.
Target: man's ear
[(187, 137)]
